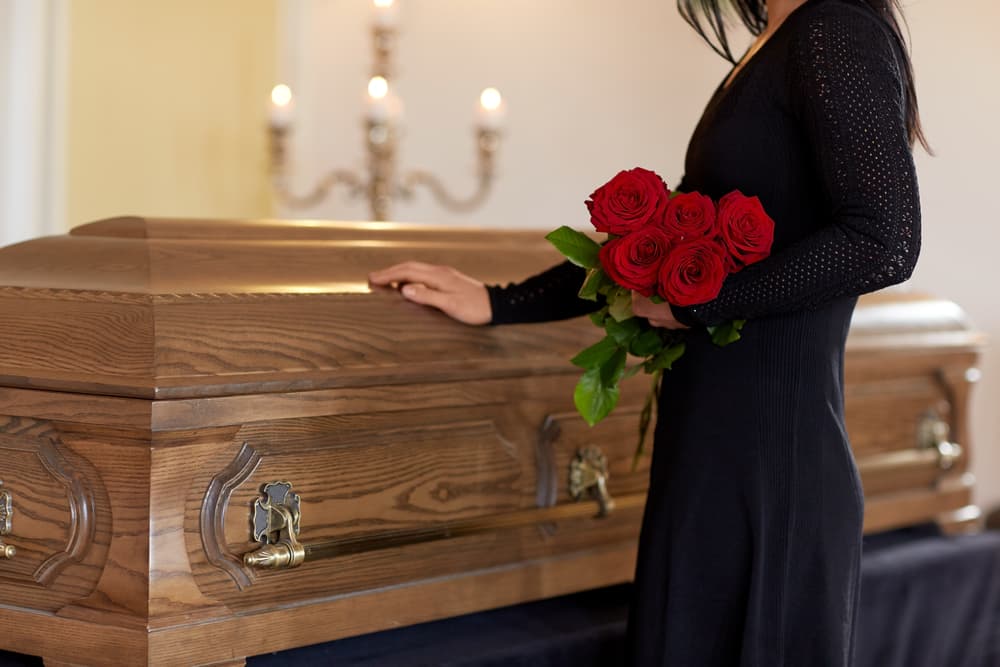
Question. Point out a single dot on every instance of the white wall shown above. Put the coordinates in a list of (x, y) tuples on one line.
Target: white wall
[(957, 59), (32, 124), (585, 81), (5, 57), (594, 86)]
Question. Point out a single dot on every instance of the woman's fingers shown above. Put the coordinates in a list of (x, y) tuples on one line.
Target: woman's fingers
[(424, 295), (658, 314), (411, 272), (456, 294)]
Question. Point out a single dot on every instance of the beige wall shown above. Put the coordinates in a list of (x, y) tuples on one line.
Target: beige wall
[(595, 86), (585, 81), (166, 111), (957, 59)]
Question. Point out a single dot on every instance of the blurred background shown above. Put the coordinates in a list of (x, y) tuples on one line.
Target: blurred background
[(163, 108)]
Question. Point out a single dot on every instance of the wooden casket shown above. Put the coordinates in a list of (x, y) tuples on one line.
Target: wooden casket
[(216, 441)]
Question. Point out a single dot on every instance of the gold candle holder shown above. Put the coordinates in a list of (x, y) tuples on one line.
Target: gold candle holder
[(381, 184)]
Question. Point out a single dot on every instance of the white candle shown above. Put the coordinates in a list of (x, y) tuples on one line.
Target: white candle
[(385, 13), (282, 106), (383, 105), (378, 99), (492, 109)]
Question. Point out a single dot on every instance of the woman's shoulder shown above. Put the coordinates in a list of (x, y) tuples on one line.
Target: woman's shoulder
[(842, 41), (855, 15), (842, 25)]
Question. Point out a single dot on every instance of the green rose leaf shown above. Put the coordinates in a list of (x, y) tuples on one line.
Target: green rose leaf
[(646, 344), (657, 299), (726, 333), (665, 359), (598, 353), (595, 400), (576, 246), (614, 367), (631, 372), (592, 285), (620, 305), (623, 331), (599, 317)]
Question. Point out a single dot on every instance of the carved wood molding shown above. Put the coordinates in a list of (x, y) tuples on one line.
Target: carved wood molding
[(548, 483), (106, 296), (65, 294), (81, 506), (242, 297), (213, 515), (81, 527)]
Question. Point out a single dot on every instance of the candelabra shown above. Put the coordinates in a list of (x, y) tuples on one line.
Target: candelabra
[(381, 183)]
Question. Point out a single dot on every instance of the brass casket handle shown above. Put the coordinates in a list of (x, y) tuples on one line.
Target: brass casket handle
[(7, 551), (588, 474), (276, 525), (274, 521), (934, 434)]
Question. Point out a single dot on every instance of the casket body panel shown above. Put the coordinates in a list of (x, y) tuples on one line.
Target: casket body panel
[(162, 380), (911, 364)]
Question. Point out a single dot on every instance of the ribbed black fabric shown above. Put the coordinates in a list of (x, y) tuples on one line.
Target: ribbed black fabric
[(751, 537)]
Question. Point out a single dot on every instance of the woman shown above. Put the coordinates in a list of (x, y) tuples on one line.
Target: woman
[(750, 545)]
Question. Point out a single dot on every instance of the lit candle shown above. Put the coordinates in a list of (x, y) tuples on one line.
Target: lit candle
[(491, 109), (385, 13), (378, 99), (282, 105)]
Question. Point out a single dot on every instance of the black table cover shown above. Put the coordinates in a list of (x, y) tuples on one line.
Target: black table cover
[(927, 600)]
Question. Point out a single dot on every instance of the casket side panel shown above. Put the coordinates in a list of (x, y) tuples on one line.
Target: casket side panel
[(896, 400), (54, 512), (405, 492)]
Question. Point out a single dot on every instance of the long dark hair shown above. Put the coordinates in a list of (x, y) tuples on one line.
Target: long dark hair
[(753, 14)]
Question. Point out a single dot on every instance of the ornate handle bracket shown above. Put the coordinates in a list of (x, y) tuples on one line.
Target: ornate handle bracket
[(7, 551), (934, 434), (588, 474), (276, 526)]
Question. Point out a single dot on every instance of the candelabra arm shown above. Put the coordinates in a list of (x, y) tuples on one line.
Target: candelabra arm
[(355, 187), (488, 142)]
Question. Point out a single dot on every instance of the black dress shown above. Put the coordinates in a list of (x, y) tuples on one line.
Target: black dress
[(750, 545)]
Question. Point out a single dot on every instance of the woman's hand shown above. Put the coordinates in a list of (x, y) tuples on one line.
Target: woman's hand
[(443, 287), (658, 314)]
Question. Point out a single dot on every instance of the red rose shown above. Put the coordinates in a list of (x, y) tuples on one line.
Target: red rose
[(690, 216), (628, 202), (693, 272), (746, 230), (634, 261)]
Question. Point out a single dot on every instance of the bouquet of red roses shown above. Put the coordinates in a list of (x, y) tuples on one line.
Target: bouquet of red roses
[(672, 247)]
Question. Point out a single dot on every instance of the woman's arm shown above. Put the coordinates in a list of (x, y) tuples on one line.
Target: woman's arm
[(550, 295), (846, 78)]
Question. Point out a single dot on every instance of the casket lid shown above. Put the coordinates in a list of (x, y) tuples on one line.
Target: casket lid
[(160, 308)]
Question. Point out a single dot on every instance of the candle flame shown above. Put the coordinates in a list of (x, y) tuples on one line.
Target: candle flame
[(281, 95), (491, 99), (378, 87)]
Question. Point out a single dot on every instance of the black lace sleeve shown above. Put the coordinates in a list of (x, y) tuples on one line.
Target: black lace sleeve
[(550, 295), (846, 78)]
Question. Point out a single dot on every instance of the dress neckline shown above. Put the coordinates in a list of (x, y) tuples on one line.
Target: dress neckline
[(736, 74)]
